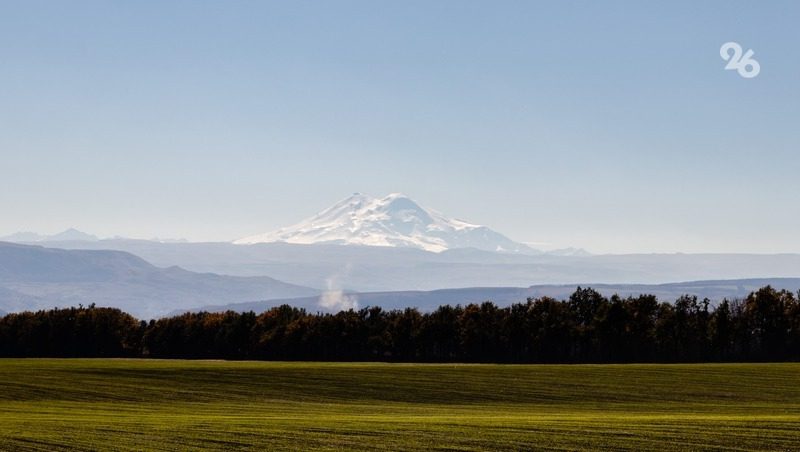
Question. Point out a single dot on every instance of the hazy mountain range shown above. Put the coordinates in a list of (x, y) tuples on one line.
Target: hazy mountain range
[(394, 221), (34, 277), (428, 300), (70, 235), (370, 269), (388, 250)]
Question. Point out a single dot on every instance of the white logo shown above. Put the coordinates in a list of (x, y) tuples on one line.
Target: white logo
[(745, 65)]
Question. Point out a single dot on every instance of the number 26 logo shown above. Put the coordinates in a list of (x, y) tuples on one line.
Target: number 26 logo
[(745, 65)]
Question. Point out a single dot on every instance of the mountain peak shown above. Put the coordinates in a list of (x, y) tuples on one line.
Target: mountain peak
[(395, 220), (72, 234), (393, 196)]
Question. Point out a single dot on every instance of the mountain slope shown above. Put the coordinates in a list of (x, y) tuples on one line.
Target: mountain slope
[(392, 221), (33, 277)]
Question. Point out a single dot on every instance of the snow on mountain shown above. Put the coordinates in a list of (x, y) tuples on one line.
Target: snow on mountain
[(392, 221)]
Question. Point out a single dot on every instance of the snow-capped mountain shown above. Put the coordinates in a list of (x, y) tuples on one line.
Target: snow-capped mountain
[(392, 221)]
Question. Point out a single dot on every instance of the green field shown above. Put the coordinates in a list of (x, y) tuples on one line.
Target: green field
[(178, 405)]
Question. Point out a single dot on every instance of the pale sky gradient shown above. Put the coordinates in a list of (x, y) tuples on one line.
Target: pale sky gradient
[(605, 125)]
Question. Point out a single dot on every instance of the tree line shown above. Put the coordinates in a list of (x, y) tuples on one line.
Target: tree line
[(586, 328)]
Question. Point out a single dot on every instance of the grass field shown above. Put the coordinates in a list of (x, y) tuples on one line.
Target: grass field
[(178, 405)]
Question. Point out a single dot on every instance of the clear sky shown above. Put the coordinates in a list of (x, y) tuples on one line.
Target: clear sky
[(606, 125)]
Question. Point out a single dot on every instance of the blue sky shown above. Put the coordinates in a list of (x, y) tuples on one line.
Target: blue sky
[(606, 125)]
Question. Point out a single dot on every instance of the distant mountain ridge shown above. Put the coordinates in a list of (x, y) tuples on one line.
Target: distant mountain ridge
[(392, 221), (70, 235), (34, 277), (379, 269), (715, 291)]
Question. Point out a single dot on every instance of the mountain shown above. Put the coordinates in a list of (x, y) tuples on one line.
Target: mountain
[(35, 277), (379, 269), (70, 235), (392, 221), (428, 300)]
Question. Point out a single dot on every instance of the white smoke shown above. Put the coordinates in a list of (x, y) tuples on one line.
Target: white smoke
[(337, 300), (334, 298)]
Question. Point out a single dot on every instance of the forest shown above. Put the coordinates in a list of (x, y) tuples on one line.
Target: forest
[(586, 328)]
